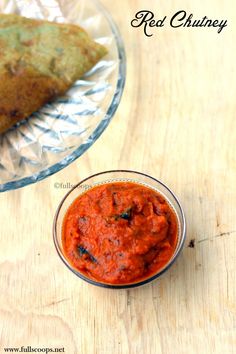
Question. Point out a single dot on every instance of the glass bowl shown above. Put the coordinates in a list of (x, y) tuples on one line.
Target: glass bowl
[(63, 130), (118, 176)]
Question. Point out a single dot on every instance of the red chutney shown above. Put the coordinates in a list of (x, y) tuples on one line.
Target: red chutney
[(119, 233)]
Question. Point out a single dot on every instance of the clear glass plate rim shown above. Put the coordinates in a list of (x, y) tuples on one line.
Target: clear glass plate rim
[(102, 125)]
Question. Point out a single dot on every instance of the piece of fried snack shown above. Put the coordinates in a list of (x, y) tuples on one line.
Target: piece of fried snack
[(39, 60)]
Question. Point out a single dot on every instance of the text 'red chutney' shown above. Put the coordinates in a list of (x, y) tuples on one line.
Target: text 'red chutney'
[(119, 233)]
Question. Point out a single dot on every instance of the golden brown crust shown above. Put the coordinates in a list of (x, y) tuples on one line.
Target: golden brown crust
[(25, 93), (39, 60)]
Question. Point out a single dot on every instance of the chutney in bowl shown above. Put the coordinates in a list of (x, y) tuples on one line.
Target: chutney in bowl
[(119, 229)]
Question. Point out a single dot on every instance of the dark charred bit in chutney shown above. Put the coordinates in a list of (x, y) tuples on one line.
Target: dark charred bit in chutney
[(131, 230), (126, 214), (88, 255)]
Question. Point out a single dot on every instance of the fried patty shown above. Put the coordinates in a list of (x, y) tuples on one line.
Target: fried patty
[(39, 60)]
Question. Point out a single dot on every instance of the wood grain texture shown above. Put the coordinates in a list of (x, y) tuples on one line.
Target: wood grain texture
[(176, 121)]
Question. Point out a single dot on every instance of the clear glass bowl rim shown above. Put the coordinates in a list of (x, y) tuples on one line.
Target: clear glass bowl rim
[(121, 286), (102, 125)]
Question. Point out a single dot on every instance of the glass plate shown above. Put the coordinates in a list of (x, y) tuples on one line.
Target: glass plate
[(63, 130)]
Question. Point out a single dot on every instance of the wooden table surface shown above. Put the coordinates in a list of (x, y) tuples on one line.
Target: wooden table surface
[(176, 122)]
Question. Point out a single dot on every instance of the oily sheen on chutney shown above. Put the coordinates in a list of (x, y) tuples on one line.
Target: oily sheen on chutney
[(119, 233)]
